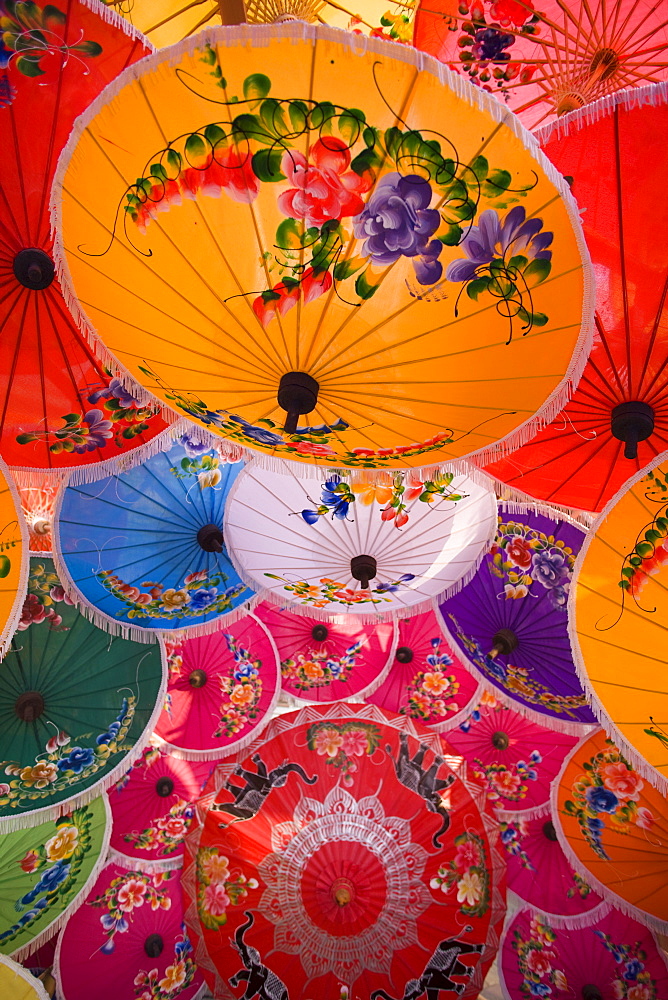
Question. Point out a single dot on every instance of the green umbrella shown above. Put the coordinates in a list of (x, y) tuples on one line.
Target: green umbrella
[(75, 705), (45, 870)]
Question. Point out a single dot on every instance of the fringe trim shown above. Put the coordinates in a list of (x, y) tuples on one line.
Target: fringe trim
[(55, 926), (150, 866), (577, 922), (534, 812), (515, 502), (541, 508), (111, 16), (21, 973), (296, 31), (11, 623), (629, 98)]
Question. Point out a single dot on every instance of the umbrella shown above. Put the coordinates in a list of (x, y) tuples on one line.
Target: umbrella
[(13, 557), (231, 252), (510, 621), (61, 407), (330, 662), (222, 690), (145, 548), (45, 871), (516, 758), (612, 958), (371, 870), (613, 826), (38, 504), (152, 806), (128, 939), (547, 57), (617, 420), (351, 560), (17, 983), (618, 614), (75, 705), (426, 680), (540, 875)]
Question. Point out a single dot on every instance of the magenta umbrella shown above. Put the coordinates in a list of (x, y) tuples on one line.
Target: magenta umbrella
[(329, 661), (427, 679), (128, 940), (221, 691)]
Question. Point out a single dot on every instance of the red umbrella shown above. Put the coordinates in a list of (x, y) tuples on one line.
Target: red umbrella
[(59, 405), (617, 420)]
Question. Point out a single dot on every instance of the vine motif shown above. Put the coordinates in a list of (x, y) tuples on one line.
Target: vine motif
[(650, 551), (199, 594), (319, 669), (536, 960), (241, 691), (632, 981), (333, 592), (468, 873), (341, 743)]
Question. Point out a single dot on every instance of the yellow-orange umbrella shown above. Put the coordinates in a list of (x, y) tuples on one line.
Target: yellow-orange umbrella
[(619, 620), (291, 220), (13, 557), (16, 983)]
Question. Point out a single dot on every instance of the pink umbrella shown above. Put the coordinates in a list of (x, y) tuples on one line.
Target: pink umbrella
[(539, 873), (152, 806), (611, 958), (221, 691), (428, 680), (516, 758), (329, 661), (128, 940)]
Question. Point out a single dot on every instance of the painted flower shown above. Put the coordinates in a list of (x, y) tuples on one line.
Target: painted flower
[(314, 448), (468, 855), (601, 799), (515, 592), (231, 171), (131, 894), (323, 189), (505, 782), (61, 740), (52, 877), (377, 492), (640, 991), (63, 845), (115, 390), (40, 775), (490, 44), (560, 980), (549, 568), (644, 818), (173, 599), (328, 742), (202, 598), (174, 978), (242, 694), (508, 12), (30, 862), (519, 552), (469, 888), (495, 238), (97, 430), (312, 669), (260, 434), (621, 780), (172, 826), (435, 683), (77, 759), (215, 898), (539, 962), (209, 478), (215, 867), (397, 221), (33, 612), (354, 743)]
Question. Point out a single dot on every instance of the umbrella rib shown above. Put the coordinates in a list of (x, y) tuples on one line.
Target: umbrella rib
[(21, 327), (652, 341)]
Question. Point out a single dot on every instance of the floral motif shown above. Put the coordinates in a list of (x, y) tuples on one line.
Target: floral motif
[(468, 873), (177, 977), (218, 887), (431, 692), (319, 669), (536, 958), (632, 981), (324, 189), (507, 782), (511, 837), (523, 556), (44, 592), (241, 690), (200, 593), (123, 895), (341, 743), (165, 834), (332, 592), (650, 552)]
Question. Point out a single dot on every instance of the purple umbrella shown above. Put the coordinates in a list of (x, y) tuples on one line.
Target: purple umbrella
[(510, 621)]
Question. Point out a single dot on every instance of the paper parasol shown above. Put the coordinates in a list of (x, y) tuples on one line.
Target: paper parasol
[(128, 934), (618, 612), (613, 826), (547, 57), (152, 806), (371, 866), (426, 680), (510, 621), (243, 272), (343, 557), (145, 549), (582, 458), (329, 662), (43, 872), (516, 758), (613, 957), (38, 504), (13, 557), (16, 983), (221, 692), (75, 705)]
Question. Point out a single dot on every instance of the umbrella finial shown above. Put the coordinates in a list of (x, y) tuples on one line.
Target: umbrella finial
[(505, 642), (404, 654), (632, 422), (297, 394), (33, 268), (549, 830), (197, 678), (591, 992), (319, 633), (29, 706), (363, 568), (153, 945), (500, 740), (210, 538), (164, 787)]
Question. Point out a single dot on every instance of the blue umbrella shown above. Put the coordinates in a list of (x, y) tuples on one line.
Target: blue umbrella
[(145, 549)]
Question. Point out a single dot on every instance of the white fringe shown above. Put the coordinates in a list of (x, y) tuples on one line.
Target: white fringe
[(8, 628), (515, 502), (631, 97), (576, 922), (37, 988), (112, 16), (149, 865)]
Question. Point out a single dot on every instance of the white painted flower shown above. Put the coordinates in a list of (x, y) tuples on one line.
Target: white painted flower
[(469, 888)]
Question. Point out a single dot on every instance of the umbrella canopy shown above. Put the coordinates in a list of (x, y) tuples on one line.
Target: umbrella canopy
[(613, 958), (128, 939), (145, 549), (617, 420), (372, 870), (61, 406), (346, 286), (426, 681), (38, 505), (330, 662), (13, 557), (349, 559), (17, 983), (152, 806), (222, 690), (618, 614), (510, 621), (75, 704), (516, 758), (547, 57), (44, 872), (613, 826)]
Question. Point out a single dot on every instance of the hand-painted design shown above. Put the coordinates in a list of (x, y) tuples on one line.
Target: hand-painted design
[(468, 872), (511, 838), (120, 419), (605, 798), (535, 958), (523, 557), (400, 25), (250, 797), (241, 691), (203, 462), (126, 893), (436, 977), (342, 742), (424, 781), (199, 594), (335, 499), (177, 977), (149, 757), (63, 766), (332, 592), (165, 834), (516, 680), (487, 700), (319, 669), (632, 981), (28, 34), (44, 592), (579, 888), (659, 733), (218, 887), (650, 552), (507, 783), (57, 863), (431, 693)]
